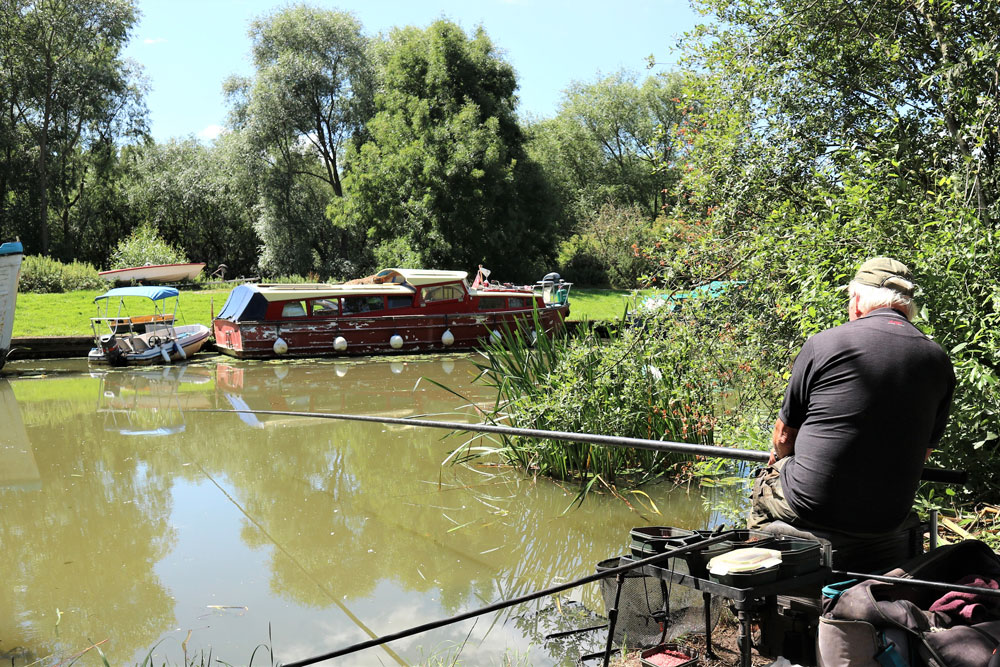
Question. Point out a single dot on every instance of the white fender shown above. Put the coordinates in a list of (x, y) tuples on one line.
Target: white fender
[(280, 346), (448, 338), (180, 349), (495, 336), (165, 354), (396, 341), (340, 343)]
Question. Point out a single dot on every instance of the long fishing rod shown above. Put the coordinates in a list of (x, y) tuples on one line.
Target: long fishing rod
[(503, 604), (666, 446)]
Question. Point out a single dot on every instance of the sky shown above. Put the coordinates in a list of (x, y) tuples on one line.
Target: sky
[(187, 48)]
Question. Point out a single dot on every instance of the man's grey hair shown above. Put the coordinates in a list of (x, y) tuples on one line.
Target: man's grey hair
[(870, 298)]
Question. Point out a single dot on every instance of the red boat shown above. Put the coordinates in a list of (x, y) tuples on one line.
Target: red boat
[(394, 311)]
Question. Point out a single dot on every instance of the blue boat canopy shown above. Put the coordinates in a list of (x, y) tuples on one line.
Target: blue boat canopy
[(12, 248), (244, 304), (149, 292)]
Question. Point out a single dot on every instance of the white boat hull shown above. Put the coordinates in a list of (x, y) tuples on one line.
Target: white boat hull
[(10, 269), (156, 273), (154, 347)]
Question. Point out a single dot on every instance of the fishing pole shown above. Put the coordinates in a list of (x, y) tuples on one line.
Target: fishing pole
[(666, 446)]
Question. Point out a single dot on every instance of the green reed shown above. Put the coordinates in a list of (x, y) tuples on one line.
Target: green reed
[(635, 384)]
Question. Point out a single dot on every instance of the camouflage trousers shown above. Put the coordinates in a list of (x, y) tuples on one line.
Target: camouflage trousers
[(767, 500)]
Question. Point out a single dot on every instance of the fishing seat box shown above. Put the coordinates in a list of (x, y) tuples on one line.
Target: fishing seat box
[(788, 626)]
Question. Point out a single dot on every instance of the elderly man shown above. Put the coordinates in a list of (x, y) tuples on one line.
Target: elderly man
[(866, 403)]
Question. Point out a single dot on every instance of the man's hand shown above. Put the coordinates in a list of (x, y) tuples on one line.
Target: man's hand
[(782, 441)]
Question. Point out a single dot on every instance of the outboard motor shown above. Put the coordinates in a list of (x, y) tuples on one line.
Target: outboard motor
[(113, 353), (548, 285)]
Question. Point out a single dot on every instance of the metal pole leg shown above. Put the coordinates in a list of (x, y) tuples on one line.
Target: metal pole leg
[(613, 618), (707, 598), (744, 617)]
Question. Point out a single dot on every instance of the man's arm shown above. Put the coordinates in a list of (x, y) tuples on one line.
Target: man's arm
[(782, 441)]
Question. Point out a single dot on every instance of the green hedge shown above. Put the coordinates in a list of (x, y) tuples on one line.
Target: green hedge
[(45, 275)]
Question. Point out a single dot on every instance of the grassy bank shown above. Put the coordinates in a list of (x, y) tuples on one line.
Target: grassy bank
[(69, 314)]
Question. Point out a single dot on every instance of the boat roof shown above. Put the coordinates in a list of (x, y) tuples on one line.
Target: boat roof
[(426, 276), (275, 292), (148, 292), (12, 248)]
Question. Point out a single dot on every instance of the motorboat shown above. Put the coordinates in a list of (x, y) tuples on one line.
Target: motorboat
[(393, 311), (154, 273), (122, 339), (11, 255)]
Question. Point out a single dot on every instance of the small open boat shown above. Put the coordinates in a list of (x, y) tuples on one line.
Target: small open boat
[(154, 273), (393, 311), (124, 340), (10, 269)]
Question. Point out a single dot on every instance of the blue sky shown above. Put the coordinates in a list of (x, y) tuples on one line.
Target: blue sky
[(188, 47)]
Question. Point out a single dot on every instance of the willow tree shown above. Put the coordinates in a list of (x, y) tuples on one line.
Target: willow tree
[(309, 97), (311, 92), (66, 91)]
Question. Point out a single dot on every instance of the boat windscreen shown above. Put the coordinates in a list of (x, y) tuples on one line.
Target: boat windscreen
[(244, 304)]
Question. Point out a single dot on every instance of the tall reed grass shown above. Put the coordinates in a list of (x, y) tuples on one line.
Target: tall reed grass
[(632, 385)]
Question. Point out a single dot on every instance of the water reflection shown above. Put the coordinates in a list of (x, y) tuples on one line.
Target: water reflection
[(150, 520)]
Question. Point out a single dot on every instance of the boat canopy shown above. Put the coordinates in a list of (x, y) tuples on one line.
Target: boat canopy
[(149, 292), (245, 302), (12, 248)]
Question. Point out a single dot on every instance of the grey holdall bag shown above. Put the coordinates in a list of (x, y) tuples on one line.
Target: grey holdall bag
[(879, 624)]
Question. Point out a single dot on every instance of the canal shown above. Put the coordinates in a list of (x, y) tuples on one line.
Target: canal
[(131, 518)]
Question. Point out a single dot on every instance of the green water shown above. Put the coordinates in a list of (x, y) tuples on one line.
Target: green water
[(132, 519)]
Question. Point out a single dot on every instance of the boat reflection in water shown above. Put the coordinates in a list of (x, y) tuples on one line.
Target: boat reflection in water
[(18, 468), (148, 402), (378, 387)]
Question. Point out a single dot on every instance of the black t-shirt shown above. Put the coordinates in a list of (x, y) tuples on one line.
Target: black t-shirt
[(868, 397)]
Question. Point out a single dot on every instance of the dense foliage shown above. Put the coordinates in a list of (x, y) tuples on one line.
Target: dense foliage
[(832, 132), (145, 247), (45, 275), (66, 98)]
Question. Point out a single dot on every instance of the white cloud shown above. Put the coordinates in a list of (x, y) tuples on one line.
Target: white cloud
[(154, 40), (211, 132)]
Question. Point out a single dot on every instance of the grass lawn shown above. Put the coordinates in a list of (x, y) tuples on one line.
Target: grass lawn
[(69, 314)]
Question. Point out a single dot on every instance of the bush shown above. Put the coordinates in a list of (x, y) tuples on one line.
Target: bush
[(45, 275), (579, 260), (606, 249), (144, 246)]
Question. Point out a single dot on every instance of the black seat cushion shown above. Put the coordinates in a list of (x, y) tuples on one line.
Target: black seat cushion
[(861, 553)]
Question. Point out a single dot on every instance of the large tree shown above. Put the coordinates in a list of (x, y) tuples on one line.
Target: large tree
[(614, 141), (67, 91), (443, 179), (834, 131)]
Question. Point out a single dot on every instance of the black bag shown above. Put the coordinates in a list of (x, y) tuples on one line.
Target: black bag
[(960, 632)]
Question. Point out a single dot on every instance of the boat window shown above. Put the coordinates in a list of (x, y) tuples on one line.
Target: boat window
[(491, 302), (519, 302), (324, 308), (443, 293), (362, 304), (400, 301), (294, 309)]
